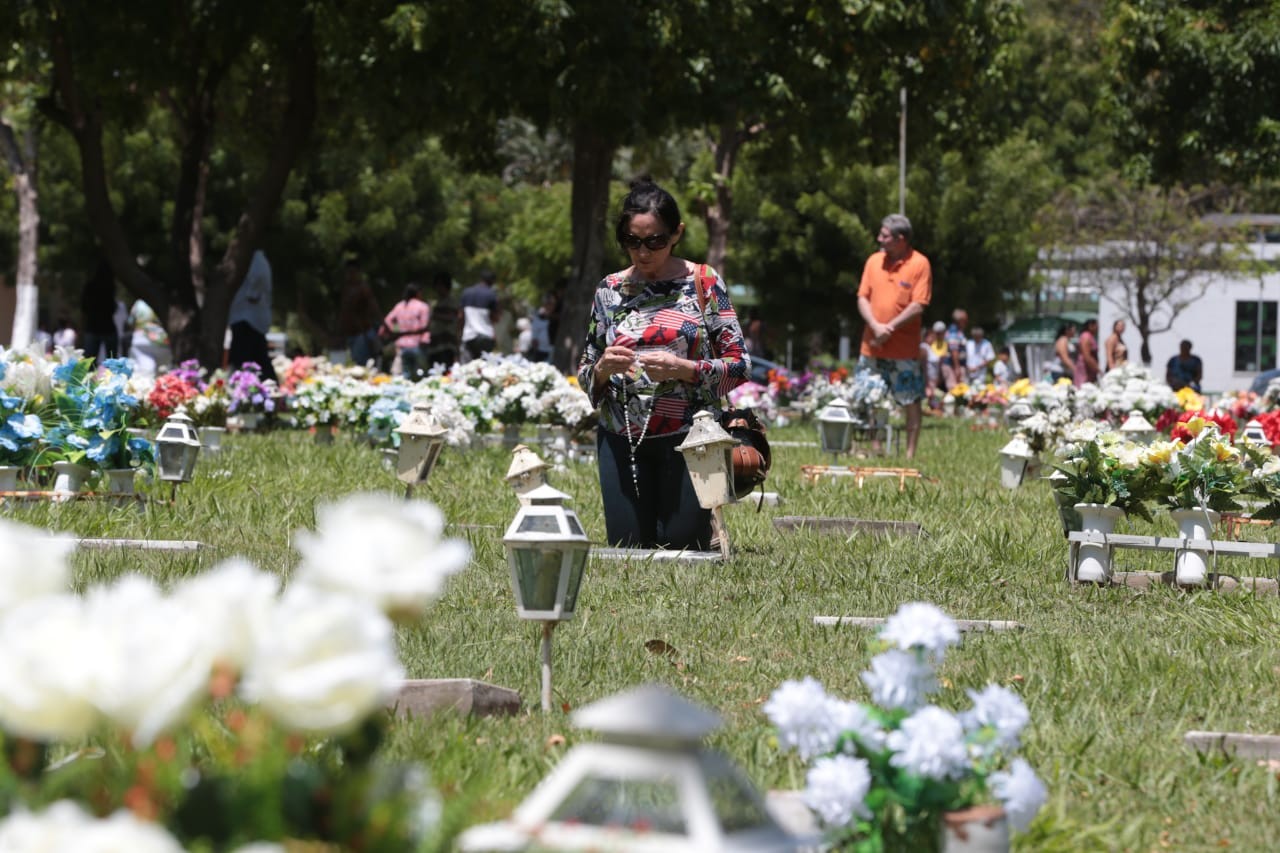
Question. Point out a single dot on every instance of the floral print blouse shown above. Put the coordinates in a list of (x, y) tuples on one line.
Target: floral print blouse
[(663, 315)]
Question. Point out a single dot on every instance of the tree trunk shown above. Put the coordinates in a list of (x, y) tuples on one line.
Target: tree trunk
[(196, 330), (22, 164), (719, 214), (592, 168)]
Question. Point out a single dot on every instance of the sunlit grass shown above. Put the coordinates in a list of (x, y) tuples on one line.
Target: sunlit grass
[(1113, 678)]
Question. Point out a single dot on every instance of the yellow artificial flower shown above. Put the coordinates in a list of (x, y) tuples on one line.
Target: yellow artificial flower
[(1225, 452), (573, 380), (1065, 380), (1196, 425), (380, 379), (1161, 452), (1021, 388), (960, 390), (1189, 400)]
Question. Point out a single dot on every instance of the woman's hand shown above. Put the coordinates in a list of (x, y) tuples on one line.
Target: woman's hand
[(662, 365), (615, 359)]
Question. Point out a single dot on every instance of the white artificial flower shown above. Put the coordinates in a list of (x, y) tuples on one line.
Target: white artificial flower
[(799, 711), (899, 679), (930, 743), (65, 827), (1020, 791), (328, 662), (33, 563), (45, 669), (150, 661), (919, 624), (1002, 710), (234, 600), (836, 789), (382, 549), (855, 718)]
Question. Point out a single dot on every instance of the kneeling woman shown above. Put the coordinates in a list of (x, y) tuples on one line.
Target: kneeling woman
[(663, 342)]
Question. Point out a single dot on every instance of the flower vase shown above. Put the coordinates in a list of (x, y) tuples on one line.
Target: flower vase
[(1093, 559), (68, 480), (9, 478), (510, 435), (211, 438), (249, 421), (120, 483), (559, 444), (1190, 568), (390, 456), (323, 433), (979, 829)]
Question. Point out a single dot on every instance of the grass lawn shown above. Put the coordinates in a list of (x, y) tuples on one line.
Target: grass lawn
[(1113, 678)]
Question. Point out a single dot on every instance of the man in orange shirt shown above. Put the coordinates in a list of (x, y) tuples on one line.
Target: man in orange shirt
[(897, 284)]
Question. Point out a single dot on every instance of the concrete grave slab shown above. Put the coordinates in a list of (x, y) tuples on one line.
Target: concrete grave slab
[(424, 697)]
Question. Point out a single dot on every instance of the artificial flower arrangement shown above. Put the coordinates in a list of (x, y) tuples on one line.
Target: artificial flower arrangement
[(1200, 468), (883, 774), (21, 430), (95, 412), (248, 392), (566, 405), (1098, 465), (1044, 430), (312, 403), (170, 392), (1173, 422), (870, 398), (786, 386), (757, 397), (254, 714), (1123, 390)]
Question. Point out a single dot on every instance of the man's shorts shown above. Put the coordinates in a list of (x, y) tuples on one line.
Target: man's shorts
[(903, 376)]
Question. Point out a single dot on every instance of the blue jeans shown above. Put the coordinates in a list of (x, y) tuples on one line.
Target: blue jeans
[(364, 347), (659, 510)]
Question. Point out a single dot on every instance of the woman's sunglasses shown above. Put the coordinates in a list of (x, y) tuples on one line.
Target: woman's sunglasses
[(653, 242)]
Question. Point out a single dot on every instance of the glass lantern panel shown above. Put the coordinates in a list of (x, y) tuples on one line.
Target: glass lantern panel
[(733, 800), (574, 527), (578, 565), (640, 805), (538, 573), (539, 524)]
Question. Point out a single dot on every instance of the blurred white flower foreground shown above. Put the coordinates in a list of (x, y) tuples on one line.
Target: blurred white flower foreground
[(319, 657)]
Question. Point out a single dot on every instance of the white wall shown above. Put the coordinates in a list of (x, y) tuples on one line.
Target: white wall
[(1209, 323)]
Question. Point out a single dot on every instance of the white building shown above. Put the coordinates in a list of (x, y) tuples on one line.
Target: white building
[(1233, 327)]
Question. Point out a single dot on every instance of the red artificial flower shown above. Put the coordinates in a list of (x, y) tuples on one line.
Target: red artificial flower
[(1226, 425)]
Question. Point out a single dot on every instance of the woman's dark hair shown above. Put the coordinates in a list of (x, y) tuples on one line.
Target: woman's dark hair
[(411, 291), (647, 197), (1064, 328), (442, 281)]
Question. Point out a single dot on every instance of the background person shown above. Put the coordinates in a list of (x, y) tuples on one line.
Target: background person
[(97, 314), (1086, 365), (445, 325), (1116, 351), (1063, 364), (479, 315), (148, 342), (250, 318), (652, 358), (897, 284), (979, 356), (408, 323), (358, 315), (953, 367), (1184, 370)]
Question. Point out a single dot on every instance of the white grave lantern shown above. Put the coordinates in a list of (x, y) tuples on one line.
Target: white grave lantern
[(708, 452), (1014, 459), (1137, 428), (527, 471), (547, 554), (648, 785), (835, 427), (1255, 432), (177, 447), (1017, 412), (421, 439)]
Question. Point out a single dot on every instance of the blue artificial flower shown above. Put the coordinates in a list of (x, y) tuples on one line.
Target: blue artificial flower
[(104, 450), (65, 372), (119, 366), (24, 426)]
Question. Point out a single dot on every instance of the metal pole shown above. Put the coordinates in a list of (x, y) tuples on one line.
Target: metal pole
[(902, 152), (721, 532), (547, 628)]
